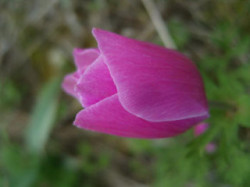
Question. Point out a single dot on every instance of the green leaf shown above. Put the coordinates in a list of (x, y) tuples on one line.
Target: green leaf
[(243, 112), (43, 116)]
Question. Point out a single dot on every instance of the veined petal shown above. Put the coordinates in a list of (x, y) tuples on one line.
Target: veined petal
[(84, 57), (95, 84), (153, 83), (108, 116)]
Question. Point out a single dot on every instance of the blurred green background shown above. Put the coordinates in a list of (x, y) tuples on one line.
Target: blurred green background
[(39, 146)]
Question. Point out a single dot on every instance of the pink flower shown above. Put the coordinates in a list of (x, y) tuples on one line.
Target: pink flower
[(135, 89), (200, 129)]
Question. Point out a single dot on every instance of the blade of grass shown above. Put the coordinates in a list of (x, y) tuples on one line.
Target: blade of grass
[(160, 25), (43, 117)]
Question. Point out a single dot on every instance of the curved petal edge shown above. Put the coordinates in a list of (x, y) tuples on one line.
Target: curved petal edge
[(108, 116), (153, 83)]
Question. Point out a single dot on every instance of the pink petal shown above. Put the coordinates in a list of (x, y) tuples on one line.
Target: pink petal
[(108, 116), (211, 147), (95, 84), (154, 83), (69, 83), (84, 57), (200, 128)]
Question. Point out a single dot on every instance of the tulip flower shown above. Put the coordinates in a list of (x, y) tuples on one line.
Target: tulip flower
[(135, 89)]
